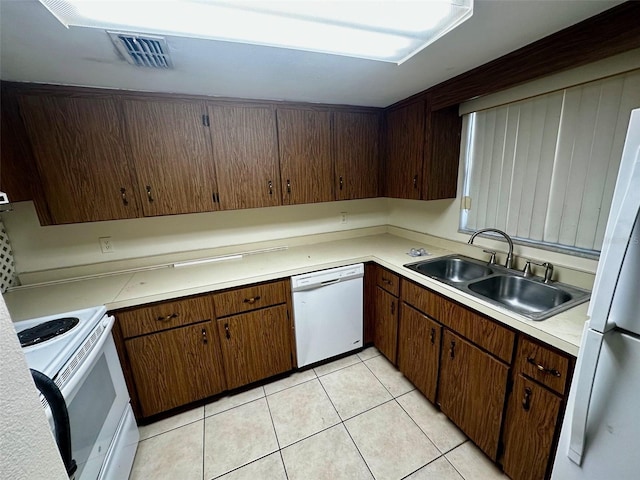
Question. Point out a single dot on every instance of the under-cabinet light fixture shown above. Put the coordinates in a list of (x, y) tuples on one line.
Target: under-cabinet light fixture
[(191, 263), (382, 30)]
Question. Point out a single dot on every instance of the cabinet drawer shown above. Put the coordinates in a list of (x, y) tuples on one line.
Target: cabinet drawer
[(165, 315), (388, 280), (249, 298), (542, 364), (481, 330)]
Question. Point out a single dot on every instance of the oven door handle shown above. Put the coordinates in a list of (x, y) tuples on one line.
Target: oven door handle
[(87, 363)]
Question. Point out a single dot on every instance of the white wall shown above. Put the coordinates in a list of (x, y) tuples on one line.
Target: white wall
[(28, 450), (41, 248)]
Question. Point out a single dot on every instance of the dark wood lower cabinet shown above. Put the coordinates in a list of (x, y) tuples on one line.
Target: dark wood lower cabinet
[(530, 425), (176, 367), (255, 345), (472, 391), (419, 350), (386, 324)]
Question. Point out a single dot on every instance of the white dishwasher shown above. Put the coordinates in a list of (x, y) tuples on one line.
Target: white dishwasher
[(327, 309)]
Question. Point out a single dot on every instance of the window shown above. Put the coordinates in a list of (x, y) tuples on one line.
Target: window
[(544, 169)]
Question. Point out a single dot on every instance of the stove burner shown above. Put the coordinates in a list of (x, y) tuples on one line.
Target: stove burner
[(47, 330)]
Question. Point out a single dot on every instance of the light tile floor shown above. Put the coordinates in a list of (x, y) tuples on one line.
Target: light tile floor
[(355, 418)]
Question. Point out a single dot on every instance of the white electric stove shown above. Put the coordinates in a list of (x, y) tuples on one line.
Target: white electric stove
[(76, 350)]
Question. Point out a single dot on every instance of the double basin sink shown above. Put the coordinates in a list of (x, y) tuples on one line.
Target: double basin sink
[(510, 289)]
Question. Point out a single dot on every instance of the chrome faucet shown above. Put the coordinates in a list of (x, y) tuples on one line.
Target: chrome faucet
[(509, 261)]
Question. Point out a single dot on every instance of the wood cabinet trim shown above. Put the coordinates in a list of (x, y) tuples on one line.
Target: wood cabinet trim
[(611, 32), (65, 90)]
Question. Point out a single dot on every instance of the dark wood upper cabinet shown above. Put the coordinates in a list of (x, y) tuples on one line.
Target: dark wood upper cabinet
[(171, 153), (404, 144), (356, 137), (245, 150), (306, 168), (441, 154), (78, 144)]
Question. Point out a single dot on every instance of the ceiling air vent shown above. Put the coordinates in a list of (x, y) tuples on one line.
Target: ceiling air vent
[(142, 50)]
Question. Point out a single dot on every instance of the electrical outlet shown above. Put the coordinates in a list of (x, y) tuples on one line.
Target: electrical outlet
[(343, 217), (106, 245)]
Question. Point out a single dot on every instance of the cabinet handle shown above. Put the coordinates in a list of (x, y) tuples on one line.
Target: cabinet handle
[(393, 308), (123, 193), (288, 186), (204, 335), (432, 336), (452, 349), (270, 187), (227, 333), (149, 197), (415, 181), (526, 400), (543, 369), (168, 317), (341, 182), (252, 300), (387, 281)]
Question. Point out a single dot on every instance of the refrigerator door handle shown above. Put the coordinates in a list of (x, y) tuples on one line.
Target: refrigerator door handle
[(583, 385)]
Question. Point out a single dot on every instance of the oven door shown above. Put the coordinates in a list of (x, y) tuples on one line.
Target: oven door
[(96, 397)]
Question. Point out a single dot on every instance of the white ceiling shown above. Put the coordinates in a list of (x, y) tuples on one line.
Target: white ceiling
[(35, 47)]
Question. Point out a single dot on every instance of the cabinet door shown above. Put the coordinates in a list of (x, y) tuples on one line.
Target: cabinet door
[(404, 151), (529, 430), (255, 345), (171, 151), (472, 391), (306, 169), (78, 143), (419, 350), (386, 324), (176, 367), (442, 154), (245, 149), (356, 139)]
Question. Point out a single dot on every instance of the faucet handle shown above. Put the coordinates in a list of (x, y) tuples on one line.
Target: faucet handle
[(548, 270), (492, 260)]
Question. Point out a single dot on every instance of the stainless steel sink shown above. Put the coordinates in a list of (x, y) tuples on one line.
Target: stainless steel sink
[(504, 287), (452, 269), (521, 294)]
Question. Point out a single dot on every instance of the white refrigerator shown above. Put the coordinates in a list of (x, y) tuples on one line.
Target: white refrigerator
[(600, 437)]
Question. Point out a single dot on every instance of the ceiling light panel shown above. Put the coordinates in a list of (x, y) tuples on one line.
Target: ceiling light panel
[(386, 30)]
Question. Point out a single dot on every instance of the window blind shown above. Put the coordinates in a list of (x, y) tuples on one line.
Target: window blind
[(544, 169)]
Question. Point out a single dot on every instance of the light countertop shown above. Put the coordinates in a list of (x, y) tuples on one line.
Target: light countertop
[(131, 288)]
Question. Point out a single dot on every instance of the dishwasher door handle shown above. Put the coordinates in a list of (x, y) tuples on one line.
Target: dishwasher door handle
[(316, 286)]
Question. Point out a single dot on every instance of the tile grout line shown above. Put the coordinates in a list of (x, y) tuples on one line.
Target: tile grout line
[(380, 381), (204, 439), (290, 387), (347, 430)]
